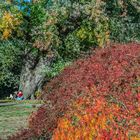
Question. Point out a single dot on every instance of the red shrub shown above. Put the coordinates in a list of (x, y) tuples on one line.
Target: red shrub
[(107, 83), (22, 135)]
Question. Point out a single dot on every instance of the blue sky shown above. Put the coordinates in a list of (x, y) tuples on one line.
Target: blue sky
[(27, 0), (23, 7)]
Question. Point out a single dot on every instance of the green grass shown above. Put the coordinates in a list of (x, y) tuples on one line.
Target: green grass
[(13, 118), (23, 101)]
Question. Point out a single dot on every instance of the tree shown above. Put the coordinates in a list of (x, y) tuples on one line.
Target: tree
[(42, 25), (61, 30)]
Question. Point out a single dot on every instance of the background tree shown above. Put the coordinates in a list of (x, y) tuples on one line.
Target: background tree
[(10, 67), (11, 49)]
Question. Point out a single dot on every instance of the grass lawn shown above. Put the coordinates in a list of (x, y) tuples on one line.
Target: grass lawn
[(13, 118)]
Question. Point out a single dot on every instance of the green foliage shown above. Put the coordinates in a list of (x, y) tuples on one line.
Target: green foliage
[(57, 68), (68, 28), (94, 29), (10, 65), (71, 48), (123, 30), (124, 20)]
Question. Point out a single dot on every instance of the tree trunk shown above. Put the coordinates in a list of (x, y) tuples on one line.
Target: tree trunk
[(33, 74)]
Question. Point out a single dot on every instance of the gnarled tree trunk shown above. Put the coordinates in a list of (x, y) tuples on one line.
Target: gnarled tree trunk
[(33, 74)]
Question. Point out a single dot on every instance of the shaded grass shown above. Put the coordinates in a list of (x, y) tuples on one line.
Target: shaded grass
[(13, 118)]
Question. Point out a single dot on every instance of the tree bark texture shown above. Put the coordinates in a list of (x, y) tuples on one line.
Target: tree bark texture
[(33, 74)]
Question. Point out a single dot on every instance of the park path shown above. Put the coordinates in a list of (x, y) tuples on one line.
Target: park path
[(19, 104), (7, 104)]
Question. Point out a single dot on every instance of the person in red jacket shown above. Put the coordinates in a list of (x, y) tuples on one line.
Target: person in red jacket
[(20, 95)]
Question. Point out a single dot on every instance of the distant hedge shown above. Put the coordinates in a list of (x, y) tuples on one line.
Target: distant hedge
[(95, 98)]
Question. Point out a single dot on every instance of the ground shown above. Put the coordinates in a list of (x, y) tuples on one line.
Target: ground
[(13, 118)]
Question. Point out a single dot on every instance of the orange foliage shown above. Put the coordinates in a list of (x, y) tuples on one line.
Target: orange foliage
[(8, 23), (97, 121)]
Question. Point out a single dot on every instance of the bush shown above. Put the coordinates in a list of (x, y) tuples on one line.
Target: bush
[(95, 98)]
